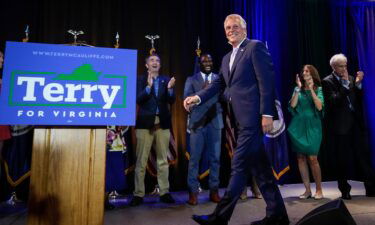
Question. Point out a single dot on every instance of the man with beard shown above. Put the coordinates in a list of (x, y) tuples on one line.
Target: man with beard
[(205, 124), (154, 95)]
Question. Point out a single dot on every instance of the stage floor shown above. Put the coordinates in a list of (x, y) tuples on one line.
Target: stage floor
[(151, 212)]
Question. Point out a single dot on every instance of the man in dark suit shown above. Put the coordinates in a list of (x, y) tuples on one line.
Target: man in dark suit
[(205, 124), (154, 96), (345, 124), (247, 71)]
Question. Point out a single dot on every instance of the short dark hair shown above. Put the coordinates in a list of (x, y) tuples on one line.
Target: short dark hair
[(149, 56), (204, 54)]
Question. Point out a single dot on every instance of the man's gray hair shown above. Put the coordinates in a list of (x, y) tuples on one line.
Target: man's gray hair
[(236, 17), (336, 58)]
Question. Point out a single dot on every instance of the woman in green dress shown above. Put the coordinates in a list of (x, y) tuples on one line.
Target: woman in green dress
[(305, 129)]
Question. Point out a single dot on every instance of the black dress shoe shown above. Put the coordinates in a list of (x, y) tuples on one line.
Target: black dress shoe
[(136, 201), (167, 198), (346, 196), (209, 220), (272, 220)]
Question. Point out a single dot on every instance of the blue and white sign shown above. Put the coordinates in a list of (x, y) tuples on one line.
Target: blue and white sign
[(46, 84)]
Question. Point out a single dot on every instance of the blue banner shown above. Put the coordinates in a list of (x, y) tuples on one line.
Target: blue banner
[(276, 147), (46, 84)]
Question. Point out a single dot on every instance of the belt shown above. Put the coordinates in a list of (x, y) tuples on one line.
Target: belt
[(156, 127)]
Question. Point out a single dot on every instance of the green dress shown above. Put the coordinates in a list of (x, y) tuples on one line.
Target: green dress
[(305, 129)]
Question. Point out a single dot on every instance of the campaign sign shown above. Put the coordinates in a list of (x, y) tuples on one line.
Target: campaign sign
[(47, 84)]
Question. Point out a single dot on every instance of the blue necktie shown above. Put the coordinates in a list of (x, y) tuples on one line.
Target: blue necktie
[(206, 82)]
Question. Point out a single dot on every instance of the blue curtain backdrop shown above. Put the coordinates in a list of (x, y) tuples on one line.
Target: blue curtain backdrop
[(269, 21), (354, 24), (320, 30), (363, 14)]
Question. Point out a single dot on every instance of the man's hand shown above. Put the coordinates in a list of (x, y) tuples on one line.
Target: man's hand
[(190, 101), (345, 75), (267, 124), (359, 77), (171, 82), (150, 81)]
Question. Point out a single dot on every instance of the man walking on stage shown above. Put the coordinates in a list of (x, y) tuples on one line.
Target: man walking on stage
[(247, 72)]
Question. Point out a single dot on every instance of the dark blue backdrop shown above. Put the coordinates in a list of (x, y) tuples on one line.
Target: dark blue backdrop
[(341, 26)]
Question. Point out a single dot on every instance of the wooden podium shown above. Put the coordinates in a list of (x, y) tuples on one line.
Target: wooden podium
[(67, 176), (68, 163)]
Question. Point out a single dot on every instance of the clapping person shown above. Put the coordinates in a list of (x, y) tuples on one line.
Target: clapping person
[(155, 95), (346, 126), (305, 129)]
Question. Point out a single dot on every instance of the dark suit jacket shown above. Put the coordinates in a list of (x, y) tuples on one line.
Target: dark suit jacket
[(250, 83), (339, 116), (208, 112), (148, 103)]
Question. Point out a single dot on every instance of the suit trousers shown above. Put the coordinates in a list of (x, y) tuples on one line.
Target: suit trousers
[(204, 139), (159, 139), (351, 149), (249, 158)]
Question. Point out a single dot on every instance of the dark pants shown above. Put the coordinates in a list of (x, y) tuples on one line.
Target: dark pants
[(207, 138), (249, 158), (352, 153)]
